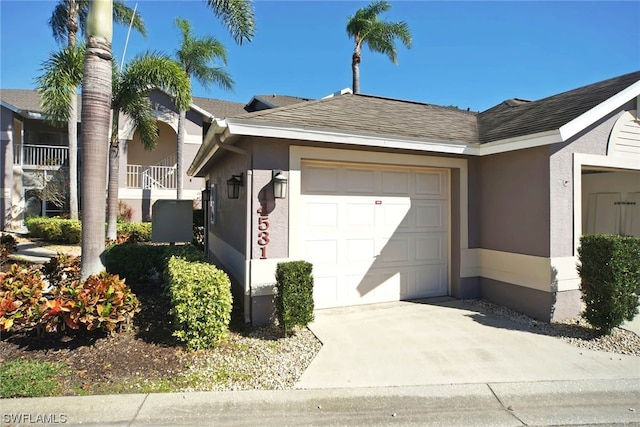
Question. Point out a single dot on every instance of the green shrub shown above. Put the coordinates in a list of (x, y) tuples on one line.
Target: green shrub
[(610, 279), (294, 296), (29, 378), (140, 264), (133, 232), (20, 296), (201, 302), (59, 230)]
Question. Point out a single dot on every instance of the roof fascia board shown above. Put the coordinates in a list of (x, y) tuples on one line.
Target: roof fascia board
[(10, 107), (599, 111), (249, 128), (208, 148), (520, 143)]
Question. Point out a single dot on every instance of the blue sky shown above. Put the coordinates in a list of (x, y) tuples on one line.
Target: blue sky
[(469, 54)]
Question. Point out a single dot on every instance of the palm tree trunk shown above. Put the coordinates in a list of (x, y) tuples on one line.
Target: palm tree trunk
[(355, 68), (72, 128), (72, 124), (179, 153), (96, 115), (114, 177)]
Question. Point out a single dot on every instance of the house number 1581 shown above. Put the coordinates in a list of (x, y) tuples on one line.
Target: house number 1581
[(263, 234)]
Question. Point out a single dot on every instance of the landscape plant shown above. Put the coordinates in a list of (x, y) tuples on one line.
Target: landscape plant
[(21, 296), (201, 302), (294, 294), (610, 279)]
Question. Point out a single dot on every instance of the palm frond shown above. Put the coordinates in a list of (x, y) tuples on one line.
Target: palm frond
[(61, 75), (58, 23), (237, 16), (152, 70), (122, 15), (139, 109)]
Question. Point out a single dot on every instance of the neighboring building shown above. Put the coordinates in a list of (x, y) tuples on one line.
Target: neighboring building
[(394, 200), (32, 149)]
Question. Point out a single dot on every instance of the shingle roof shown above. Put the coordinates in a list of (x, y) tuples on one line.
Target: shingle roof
[(516, 117), (280, 100), (25, 99), (372, 114), (29, 100), (218, 107)]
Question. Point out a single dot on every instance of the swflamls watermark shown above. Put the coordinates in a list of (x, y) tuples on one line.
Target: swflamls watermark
[(26, 418)]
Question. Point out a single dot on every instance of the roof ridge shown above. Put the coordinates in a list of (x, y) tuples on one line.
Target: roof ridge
[(408, 101), (311, 102)]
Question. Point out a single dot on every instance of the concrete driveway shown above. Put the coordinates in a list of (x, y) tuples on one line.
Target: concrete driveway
[(445, 342)]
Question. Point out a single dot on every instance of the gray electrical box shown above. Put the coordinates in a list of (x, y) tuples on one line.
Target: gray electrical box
[(172, 221)]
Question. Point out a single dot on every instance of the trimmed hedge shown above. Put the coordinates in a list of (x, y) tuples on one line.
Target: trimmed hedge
[(201, 302), (141, 264), (58, 230), (294, 296), (610, 273), (63, 230)]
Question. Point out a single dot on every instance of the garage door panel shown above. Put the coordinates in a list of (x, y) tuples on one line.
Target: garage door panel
[(430, 215), (395, 251), (321, 251), (430, 184), (320, 179), (376, 286), (360, 214), (360, 250), (325, 291), (395, 182), (430, 281), (430, 248), (394, 213), (359, 181), (322, 214)]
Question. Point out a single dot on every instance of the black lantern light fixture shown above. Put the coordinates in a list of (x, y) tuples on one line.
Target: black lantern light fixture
[(206, 196), (279, 184), (233, 186)]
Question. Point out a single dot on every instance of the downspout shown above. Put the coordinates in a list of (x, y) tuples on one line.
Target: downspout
[(248, 248)]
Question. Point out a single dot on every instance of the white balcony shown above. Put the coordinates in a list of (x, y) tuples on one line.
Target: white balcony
[(41, 156)]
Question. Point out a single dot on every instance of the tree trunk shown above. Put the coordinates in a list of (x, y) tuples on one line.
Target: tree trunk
[(96, 115), (355, 68), (114, 178), (72, 124), (72, 128), (179, 153)]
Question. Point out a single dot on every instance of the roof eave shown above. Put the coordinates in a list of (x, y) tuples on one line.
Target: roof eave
[(208, 148)]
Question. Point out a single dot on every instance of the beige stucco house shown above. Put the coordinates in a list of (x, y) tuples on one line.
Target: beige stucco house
[(396, 200)]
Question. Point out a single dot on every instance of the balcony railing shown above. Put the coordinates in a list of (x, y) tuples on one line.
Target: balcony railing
[(150, 177), (42, 156)]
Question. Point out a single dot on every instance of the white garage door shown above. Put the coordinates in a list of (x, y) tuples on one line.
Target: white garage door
[(374, 233)]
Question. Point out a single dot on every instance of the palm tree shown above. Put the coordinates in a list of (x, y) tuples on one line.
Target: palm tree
[(194, 56), (69, 17), (131, 89), (96, 116), (365, 27), (96, 103)]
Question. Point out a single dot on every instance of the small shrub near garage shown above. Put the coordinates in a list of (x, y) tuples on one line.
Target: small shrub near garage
[(610, 279), (58, 230), (201, 302), (294, 296)]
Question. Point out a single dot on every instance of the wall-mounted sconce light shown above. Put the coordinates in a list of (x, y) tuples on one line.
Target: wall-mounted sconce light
[(233, 186), (206, 196), (279, 184)]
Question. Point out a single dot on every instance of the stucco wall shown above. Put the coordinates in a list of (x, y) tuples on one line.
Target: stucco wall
[(230, 213), (593, 140), (511, 194)]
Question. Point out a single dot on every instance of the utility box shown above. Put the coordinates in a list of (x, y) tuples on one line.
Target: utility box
[(172, 221)]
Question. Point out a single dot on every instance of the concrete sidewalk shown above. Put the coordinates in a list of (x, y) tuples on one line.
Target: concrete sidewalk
[(30, 252), (494, 404), (450, 342)]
